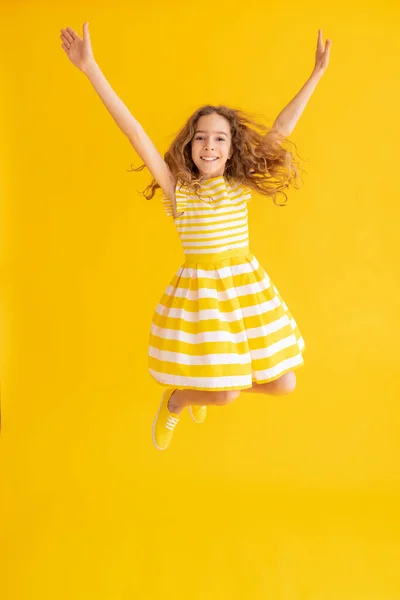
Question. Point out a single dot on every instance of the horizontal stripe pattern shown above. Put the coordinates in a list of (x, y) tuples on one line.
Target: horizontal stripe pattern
[(215, 222), (222, 325)]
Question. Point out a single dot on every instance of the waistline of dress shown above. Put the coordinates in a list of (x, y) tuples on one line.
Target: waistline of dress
[(218, 256)]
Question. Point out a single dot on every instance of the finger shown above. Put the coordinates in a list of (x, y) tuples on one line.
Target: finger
[(66, 41), (86, 30), (72, 33), (327, 47), (327, 55), (66, 44), (320, 42), (67, 36)]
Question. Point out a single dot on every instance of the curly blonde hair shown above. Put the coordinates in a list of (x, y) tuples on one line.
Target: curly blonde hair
[(259, 160)]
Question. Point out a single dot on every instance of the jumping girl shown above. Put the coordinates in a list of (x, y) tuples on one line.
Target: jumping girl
[(221, 325)]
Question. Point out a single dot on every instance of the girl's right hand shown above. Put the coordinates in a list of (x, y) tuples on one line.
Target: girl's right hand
[(79, 51)]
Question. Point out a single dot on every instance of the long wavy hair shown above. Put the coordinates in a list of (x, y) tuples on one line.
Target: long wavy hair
[(259, 160)]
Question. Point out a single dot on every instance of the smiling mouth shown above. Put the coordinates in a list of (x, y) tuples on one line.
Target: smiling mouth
[(209, 159)]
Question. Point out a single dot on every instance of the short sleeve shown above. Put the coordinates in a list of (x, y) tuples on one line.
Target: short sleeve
[(181, 200), (246, 192), (242, 190)]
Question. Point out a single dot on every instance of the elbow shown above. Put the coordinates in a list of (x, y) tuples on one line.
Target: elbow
[(283, 129)]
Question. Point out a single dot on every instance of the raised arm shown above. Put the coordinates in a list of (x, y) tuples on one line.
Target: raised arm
[(80, 53), (288, 117)]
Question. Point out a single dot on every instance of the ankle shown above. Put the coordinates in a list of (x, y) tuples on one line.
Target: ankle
[(173, 404)]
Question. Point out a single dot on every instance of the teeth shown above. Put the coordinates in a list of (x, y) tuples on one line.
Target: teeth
[(207, 159)]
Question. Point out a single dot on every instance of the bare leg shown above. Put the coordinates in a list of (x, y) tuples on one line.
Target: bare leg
[(182, 398), (279, 387)]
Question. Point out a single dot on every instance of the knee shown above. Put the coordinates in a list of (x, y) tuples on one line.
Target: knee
[(287, 383), (225, 397)]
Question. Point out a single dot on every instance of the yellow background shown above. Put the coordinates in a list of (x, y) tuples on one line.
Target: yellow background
[(281, 498)]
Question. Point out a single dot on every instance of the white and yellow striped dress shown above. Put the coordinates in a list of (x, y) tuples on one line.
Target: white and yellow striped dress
[(221, 324)]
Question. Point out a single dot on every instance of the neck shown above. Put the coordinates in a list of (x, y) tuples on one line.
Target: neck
[(212, 177)]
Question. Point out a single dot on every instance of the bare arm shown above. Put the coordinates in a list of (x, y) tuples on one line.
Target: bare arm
[(133, 130), (289, 116), (80, 53), (117, 109), (286, 120)]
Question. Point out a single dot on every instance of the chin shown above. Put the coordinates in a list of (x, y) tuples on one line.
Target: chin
[(210, 171)]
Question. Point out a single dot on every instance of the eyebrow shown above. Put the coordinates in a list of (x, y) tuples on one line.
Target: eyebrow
[(203, 131)]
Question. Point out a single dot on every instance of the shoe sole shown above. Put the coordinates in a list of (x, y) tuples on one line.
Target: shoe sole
[(192, 415)]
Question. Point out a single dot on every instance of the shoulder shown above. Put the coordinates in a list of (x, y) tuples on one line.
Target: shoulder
[(239, 189)]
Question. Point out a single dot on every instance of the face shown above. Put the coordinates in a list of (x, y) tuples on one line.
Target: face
[(212, 139)]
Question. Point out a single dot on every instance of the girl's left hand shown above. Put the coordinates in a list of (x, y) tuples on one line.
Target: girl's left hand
[(322, 55)]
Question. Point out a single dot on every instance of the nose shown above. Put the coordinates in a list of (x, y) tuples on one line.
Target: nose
[(207, 146)]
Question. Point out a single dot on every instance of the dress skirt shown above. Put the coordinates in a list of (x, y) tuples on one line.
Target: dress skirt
[(221, 324)]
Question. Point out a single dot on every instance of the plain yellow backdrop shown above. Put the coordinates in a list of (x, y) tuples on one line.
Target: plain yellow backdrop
[(281, 498)]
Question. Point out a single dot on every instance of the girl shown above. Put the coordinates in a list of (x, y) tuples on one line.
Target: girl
[(221, 325)]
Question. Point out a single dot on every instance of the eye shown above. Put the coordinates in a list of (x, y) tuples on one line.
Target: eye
[(201, 137)]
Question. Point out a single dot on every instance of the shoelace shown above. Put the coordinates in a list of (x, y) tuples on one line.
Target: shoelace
[(171, 422)]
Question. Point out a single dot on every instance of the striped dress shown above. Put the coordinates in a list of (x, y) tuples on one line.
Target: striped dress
[(221, 323)]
